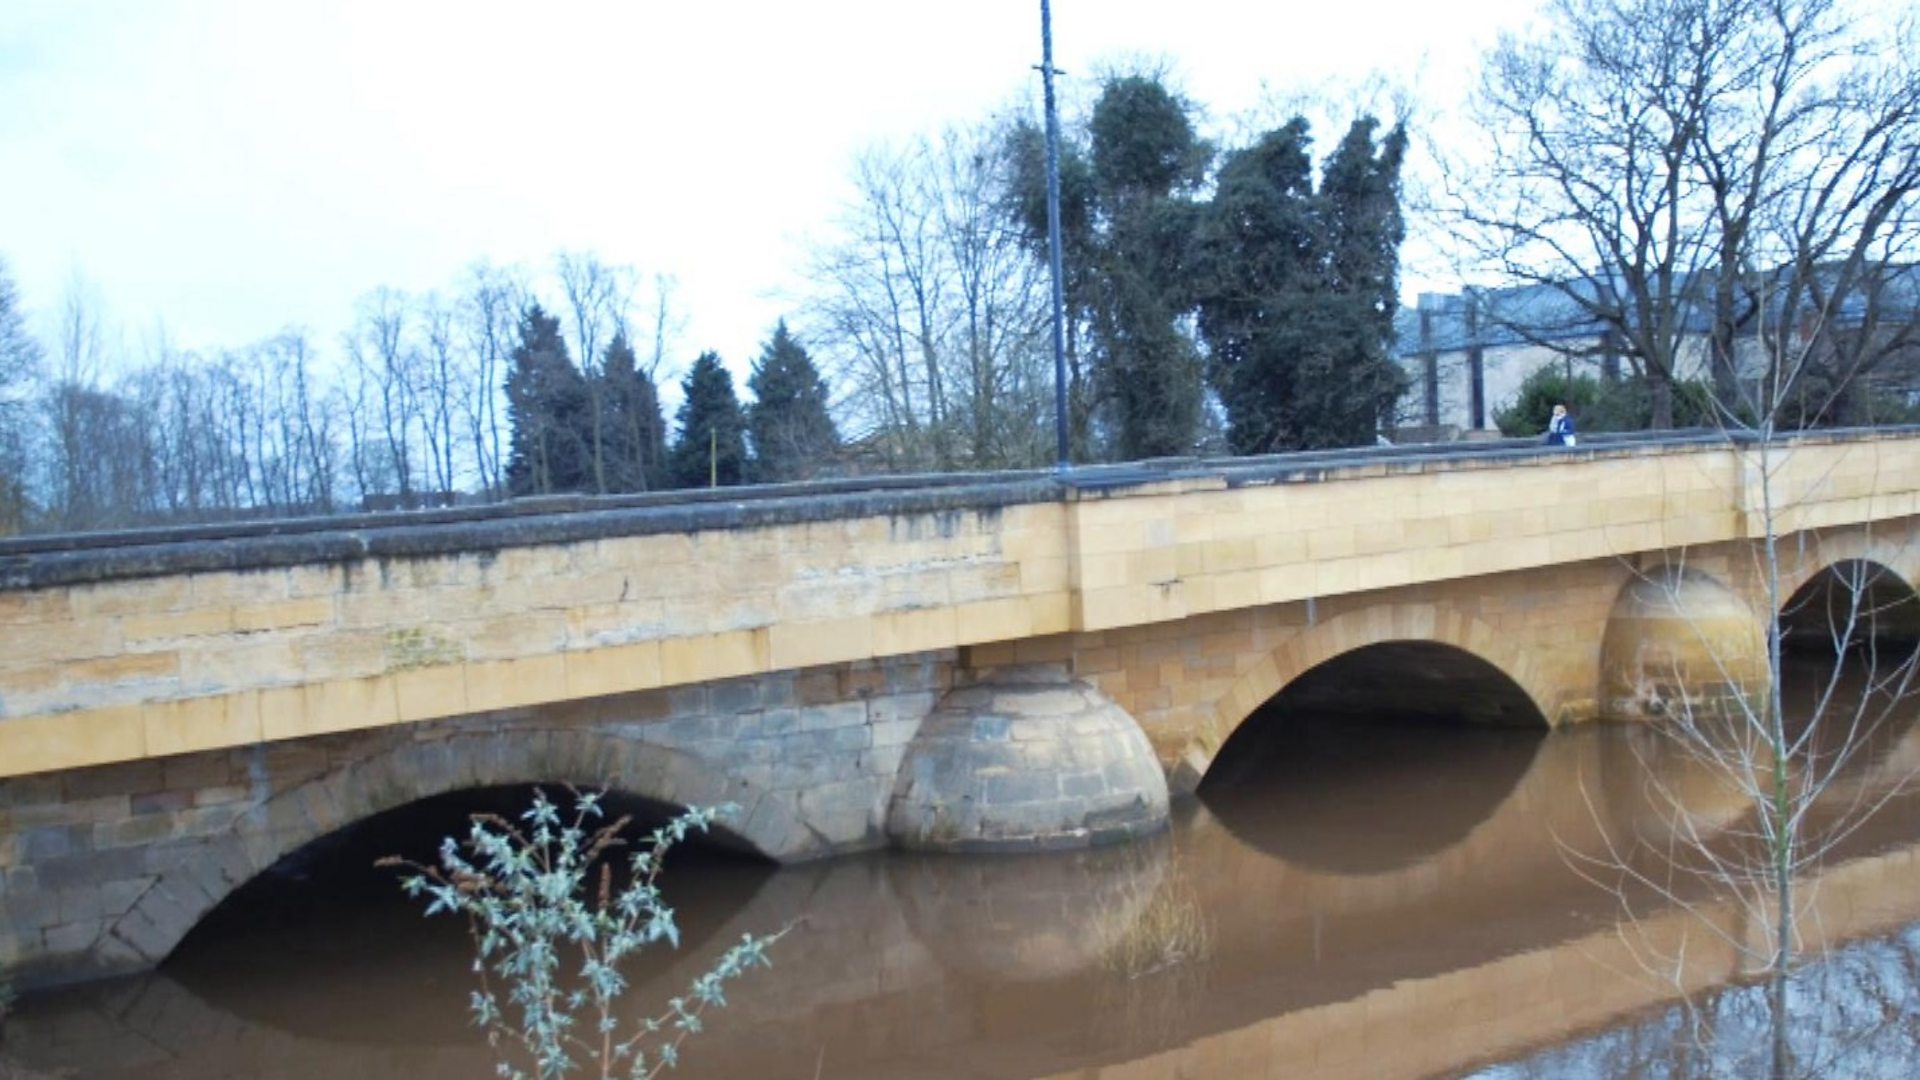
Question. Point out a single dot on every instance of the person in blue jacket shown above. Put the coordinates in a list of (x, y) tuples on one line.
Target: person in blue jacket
[(1560, 428)]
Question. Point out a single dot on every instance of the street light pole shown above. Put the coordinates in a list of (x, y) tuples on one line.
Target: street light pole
[(1062, 458)]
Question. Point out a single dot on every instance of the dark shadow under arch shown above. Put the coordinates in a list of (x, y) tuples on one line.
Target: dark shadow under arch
[(1849, 638), (1851, 605), (326, 911), (202, 873), (1376, 759)]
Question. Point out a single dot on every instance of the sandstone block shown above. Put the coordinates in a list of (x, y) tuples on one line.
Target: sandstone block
[(612, 669), (204, 723)]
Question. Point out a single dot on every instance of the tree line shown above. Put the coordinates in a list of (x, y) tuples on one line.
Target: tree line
[(483, 394), (1215, 299), (1729, 180), (1244, 306)]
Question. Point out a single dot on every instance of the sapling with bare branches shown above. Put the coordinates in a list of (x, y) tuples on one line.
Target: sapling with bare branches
[(1794, 769)]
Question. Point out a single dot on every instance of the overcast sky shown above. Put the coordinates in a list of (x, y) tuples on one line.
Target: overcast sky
[(228, 169)]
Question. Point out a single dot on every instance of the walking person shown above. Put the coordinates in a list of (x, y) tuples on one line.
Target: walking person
[(1560, 428)]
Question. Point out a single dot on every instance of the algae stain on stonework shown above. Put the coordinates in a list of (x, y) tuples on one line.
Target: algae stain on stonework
[(416, 647)]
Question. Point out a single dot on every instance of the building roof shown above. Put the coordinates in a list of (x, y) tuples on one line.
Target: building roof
[(1549, 314)]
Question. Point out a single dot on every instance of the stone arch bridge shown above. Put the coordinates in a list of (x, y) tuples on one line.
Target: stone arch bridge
[(998, 662)]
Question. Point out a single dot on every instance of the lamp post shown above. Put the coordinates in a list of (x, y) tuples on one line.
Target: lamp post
[(1062, 460)]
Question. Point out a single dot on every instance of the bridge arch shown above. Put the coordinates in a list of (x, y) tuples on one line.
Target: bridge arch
[(1809, 556), (1345, 633), (189, 886), (1817, 580), (1849, 603)]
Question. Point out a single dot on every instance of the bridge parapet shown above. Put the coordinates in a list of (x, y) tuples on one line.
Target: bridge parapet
[(145, 645)]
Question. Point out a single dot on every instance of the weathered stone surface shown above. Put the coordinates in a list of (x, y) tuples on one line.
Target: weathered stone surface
[(966, 786), (1680, 645), (1174, 587), (101, 889)]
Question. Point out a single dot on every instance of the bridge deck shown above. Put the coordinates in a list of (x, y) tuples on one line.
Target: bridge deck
[(152, 642)]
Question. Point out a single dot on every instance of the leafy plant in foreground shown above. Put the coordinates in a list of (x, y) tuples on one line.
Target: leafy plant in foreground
[(525, 890)]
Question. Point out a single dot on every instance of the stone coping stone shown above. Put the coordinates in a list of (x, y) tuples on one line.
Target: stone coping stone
[(58, 559)]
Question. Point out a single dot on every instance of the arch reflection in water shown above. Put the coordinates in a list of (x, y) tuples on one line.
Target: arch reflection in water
[(1431, 737), (1006, 968), (372, 928)]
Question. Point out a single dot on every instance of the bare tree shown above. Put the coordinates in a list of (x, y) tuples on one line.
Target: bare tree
[(887, 276), (382, 355), (489, 308), (20, 358), (666, 323), (931, 310), (310, 430), (435, 389), (640, 442), (75, 409), (296, 456), (998, 293), (1793, 767), (1634, 153), (599, 298)]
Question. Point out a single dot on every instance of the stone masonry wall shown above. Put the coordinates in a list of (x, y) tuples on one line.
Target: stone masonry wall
[(106, 868), (101, 671), (1191, 682), (118, 650)]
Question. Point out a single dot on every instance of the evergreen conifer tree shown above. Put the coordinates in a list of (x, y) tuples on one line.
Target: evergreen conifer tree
[(1127, 216), (634, 430), (547, 408), (1360, 230), (712, 448), (792, 433), (1298, 289), (1146, 157)]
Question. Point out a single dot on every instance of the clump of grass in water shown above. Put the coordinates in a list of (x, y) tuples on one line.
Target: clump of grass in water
[(1170, 931), (1157, 958), (525, 892)]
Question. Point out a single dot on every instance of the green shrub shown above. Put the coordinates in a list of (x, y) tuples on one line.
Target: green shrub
[(1597, 405)]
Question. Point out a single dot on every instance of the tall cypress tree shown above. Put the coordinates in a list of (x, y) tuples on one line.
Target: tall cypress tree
[(1256, 252), (1298, 289), (1361, 230), (792, 433), (1146, 157), (547, 408), (1127, 216), (634, 431), (712, 447)]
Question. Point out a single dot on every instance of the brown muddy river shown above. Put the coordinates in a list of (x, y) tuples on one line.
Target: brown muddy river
[(1350, 900)]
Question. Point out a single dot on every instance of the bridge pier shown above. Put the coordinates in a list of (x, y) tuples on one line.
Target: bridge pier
[(1026, 758), (1679, 643)]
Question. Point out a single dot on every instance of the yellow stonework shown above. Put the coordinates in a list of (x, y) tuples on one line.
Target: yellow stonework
[(1189, 600)]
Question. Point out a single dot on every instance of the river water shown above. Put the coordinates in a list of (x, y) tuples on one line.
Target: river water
[(1352, 900)]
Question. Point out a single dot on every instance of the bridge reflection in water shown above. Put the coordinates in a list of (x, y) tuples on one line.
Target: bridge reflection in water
[(1402, 912)]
